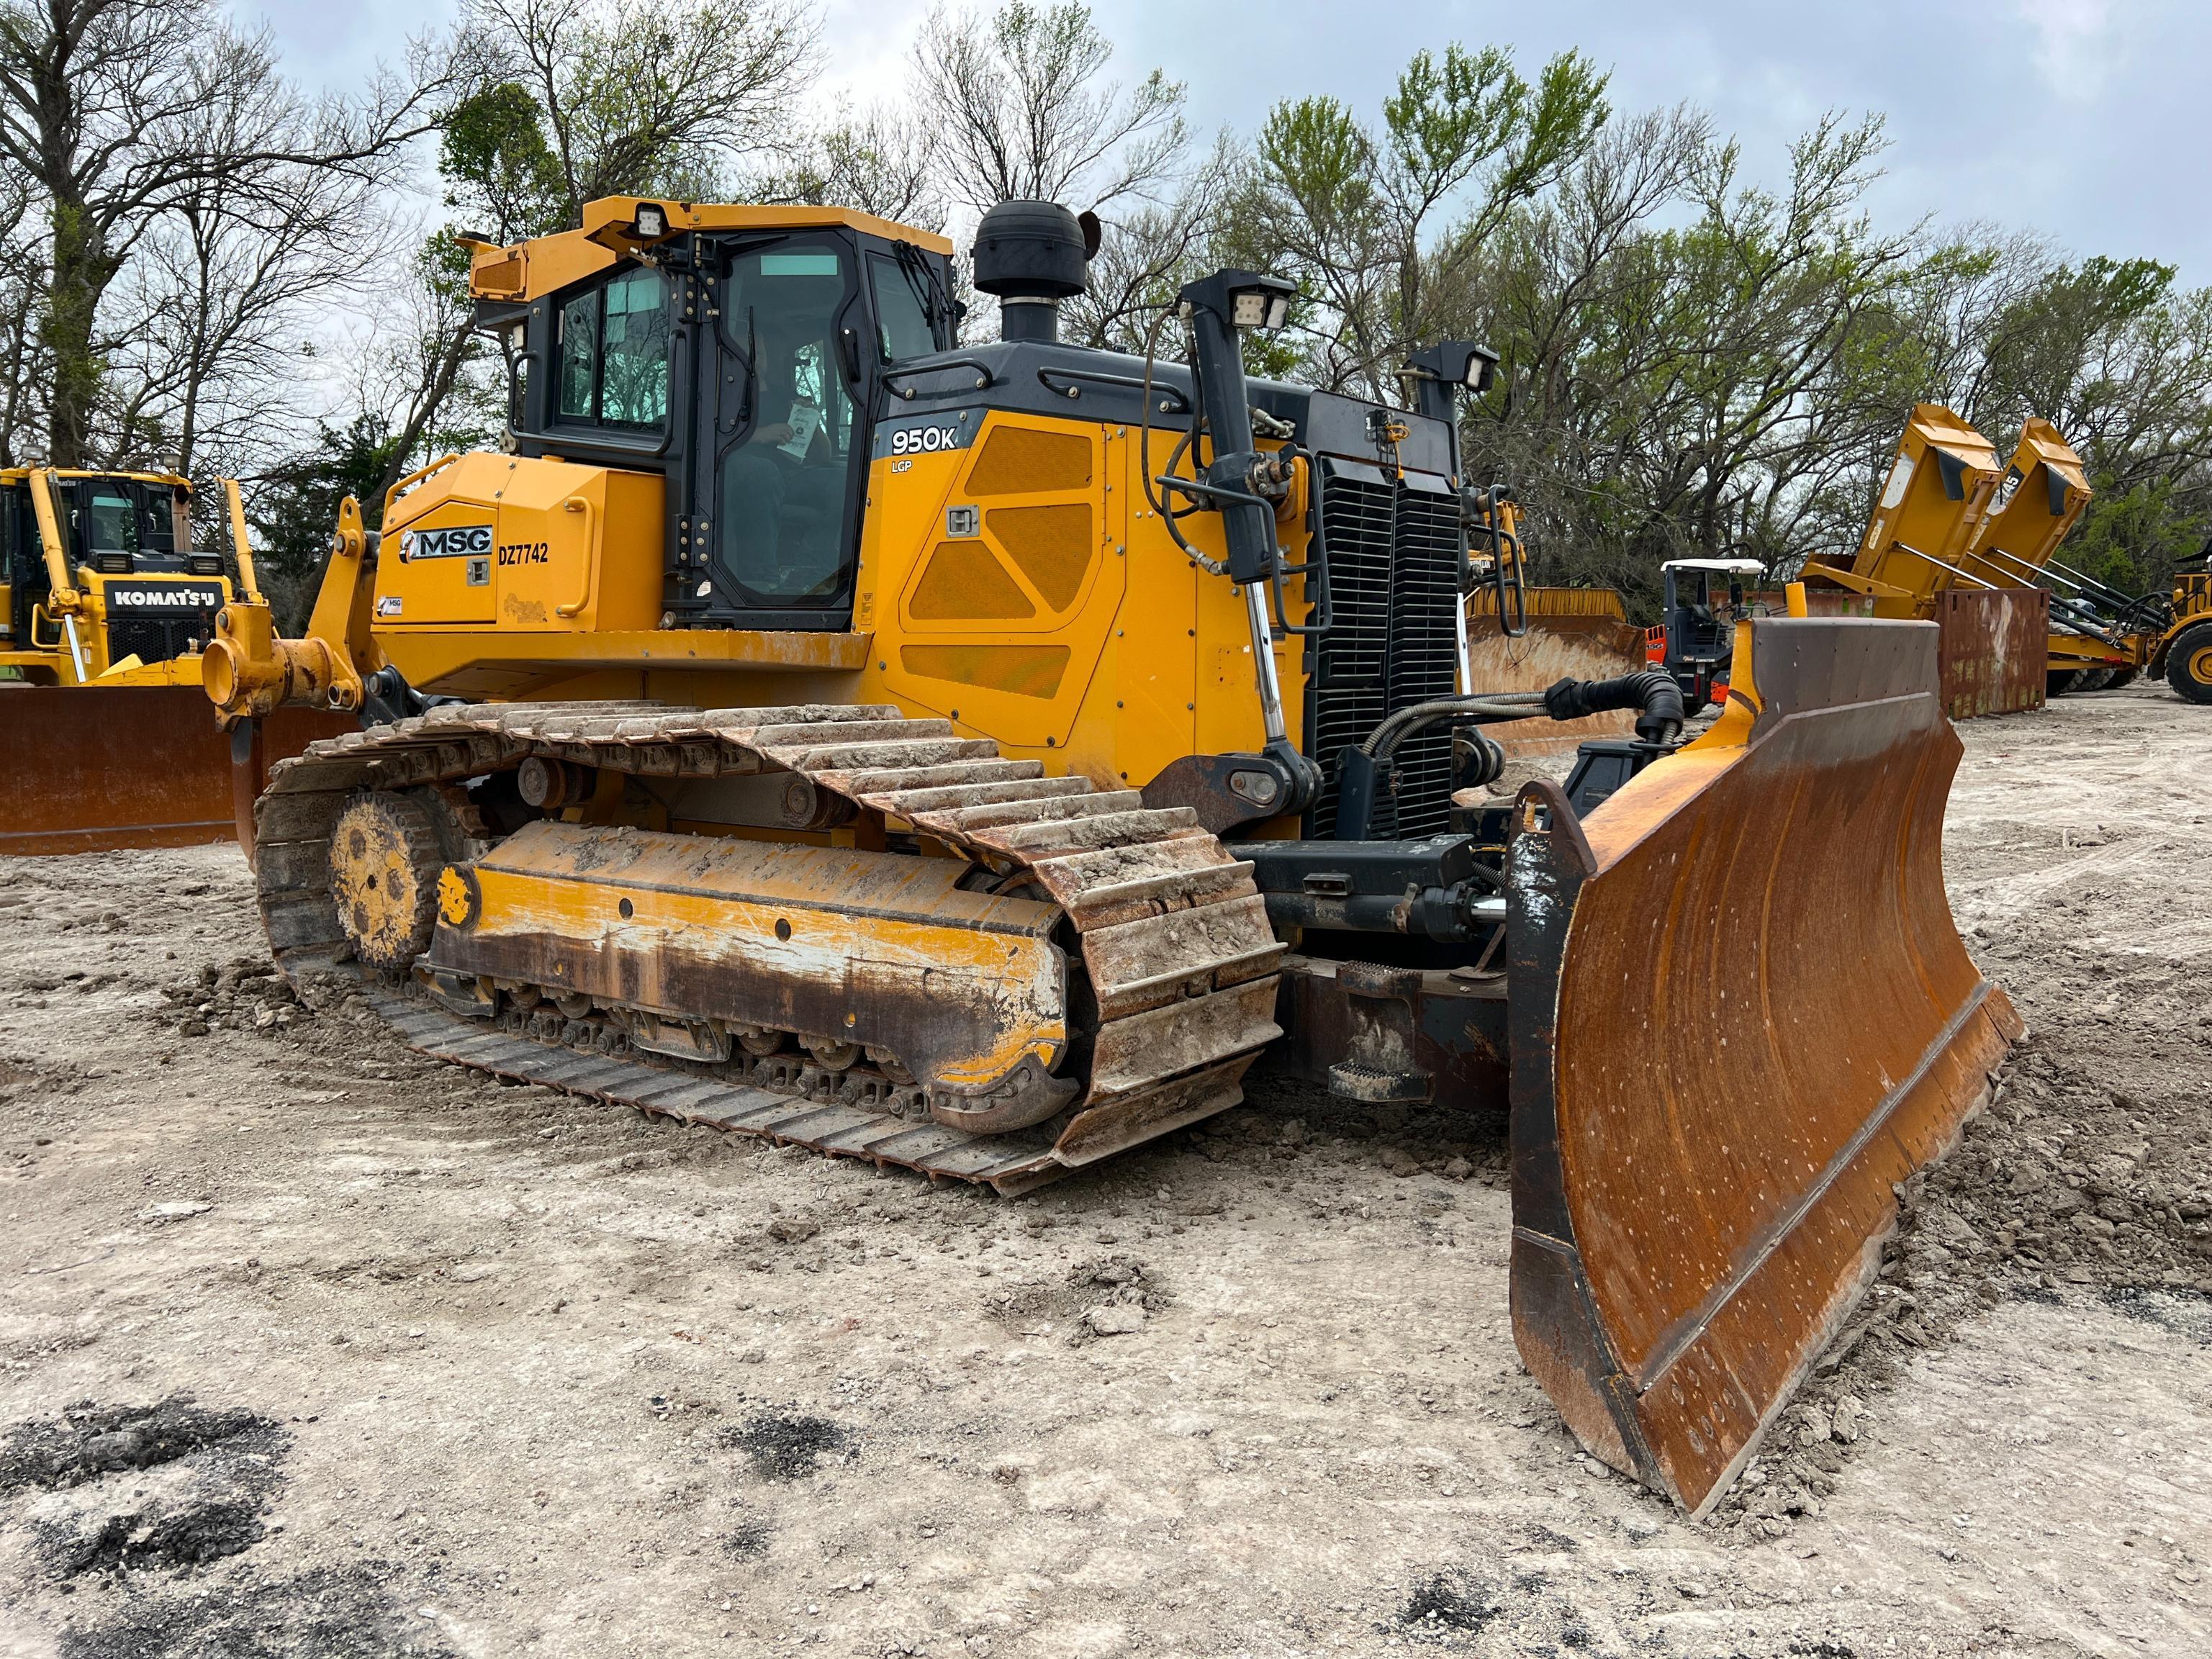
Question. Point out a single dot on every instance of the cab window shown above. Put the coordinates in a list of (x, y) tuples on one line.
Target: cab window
[(902, 327), (109, 523), (614, 352)]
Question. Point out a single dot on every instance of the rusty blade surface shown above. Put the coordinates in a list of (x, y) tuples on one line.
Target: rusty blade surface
[(94, 768), (1740, 1012)]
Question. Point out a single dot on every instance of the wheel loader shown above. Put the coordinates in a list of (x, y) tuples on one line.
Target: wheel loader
[(105, 604), (973, 757)]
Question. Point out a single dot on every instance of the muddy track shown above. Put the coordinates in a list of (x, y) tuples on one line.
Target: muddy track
[(1178, 988)]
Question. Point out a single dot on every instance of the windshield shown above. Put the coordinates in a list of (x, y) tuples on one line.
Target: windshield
[(785, 488), (110, 523)]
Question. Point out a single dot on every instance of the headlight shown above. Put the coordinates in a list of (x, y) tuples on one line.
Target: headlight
[(1258, 307), (651, 221)]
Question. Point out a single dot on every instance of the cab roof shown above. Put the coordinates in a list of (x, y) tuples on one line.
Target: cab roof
[(15, 475), (540, 264)]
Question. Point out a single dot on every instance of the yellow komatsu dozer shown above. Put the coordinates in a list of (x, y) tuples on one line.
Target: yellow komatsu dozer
[(105, 605), (973, 757)]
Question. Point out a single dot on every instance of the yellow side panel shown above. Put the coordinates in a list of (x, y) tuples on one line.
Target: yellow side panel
[(2044, 493), (1028, 460), (1053, 546), (509, 541), (1918, 513), (964, 582), (997, 615), (1027, 671)]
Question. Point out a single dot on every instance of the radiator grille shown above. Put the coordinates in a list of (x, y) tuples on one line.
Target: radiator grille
[(1393, 557), (157, 639)]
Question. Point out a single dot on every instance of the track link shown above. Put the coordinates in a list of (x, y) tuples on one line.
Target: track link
[(1178, 956)]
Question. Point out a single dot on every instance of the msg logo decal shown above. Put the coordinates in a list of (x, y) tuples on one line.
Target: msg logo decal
[(452, 541)]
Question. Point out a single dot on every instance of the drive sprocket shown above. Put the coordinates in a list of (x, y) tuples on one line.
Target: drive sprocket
[(385, 858)]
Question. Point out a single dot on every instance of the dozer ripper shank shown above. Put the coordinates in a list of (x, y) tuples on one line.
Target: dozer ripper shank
[(974, 758)]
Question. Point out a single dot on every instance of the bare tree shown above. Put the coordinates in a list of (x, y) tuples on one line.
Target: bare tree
[(119, 112), (639, 94), (22, 280), (883, 161), (1026, 116)]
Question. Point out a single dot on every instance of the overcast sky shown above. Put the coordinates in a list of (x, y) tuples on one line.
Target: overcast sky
[(2082, 119)]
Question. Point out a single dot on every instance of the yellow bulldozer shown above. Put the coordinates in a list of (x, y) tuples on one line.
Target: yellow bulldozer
[(106, 602), (973, 757)]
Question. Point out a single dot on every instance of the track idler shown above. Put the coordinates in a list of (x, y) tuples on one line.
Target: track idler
[(1740, 1014)]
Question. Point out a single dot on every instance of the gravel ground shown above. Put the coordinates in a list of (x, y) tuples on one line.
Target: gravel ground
[(312, 1348)]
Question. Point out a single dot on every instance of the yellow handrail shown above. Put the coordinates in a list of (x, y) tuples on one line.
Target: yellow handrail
[(238, 543)]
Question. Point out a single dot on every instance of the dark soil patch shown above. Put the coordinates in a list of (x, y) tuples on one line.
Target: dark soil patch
[(90, 1440), (748, 1541), (1445, 1602), (787, 1448), (187, 1537), (329, 1613)]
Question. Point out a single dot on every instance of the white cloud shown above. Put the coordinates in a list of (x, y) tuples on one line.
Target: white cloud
[(2077, 45)]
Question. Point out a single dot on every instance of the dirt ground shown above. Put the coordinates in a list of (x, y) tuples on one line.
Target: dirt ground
[(308, 1347)]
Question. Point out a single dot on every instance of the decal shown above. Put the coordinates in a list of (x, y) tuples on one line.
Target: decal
[(1900, 476), (924, 439), (454, 541), (525, 553), (2006, 490), (388, 605), (163, 596)]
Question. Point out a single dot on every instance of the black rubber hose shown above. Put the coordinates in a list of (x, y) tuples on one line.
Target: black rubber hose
[(1653, 694)]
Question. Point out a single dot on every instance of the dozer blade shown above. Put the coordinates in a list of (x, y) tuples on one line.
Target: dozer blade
[(1740, 1013), (91, 769)]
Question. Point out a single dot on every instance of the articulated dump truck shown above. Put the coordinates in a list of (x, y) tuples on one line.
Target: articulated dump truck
[(105, 604), (973, 758), (1949, 518)]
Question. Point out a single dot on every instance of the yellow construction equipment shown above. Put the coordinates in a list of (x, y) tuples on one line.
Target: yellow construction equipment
[(973, 758), (2183, 650), (105, 604), (1949, 521)]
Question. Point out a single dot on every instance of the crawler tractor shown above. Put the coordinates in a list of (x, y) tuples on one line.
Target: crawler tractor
[(973, 757), (105, 605)]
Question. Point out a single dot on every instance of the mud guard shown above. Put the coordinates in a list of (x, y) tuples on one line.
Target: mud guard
[(92, 769), (1740, 1014)]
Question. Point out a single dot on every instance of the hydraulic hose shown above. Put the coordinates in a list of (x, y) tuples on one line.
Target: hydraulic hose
[(1653, 694), (1382, 741)]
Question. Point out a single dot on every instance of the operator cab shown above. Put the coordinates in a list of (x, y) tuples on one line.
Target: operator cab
[(742, 364), (111, 524), (1700, 627)]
